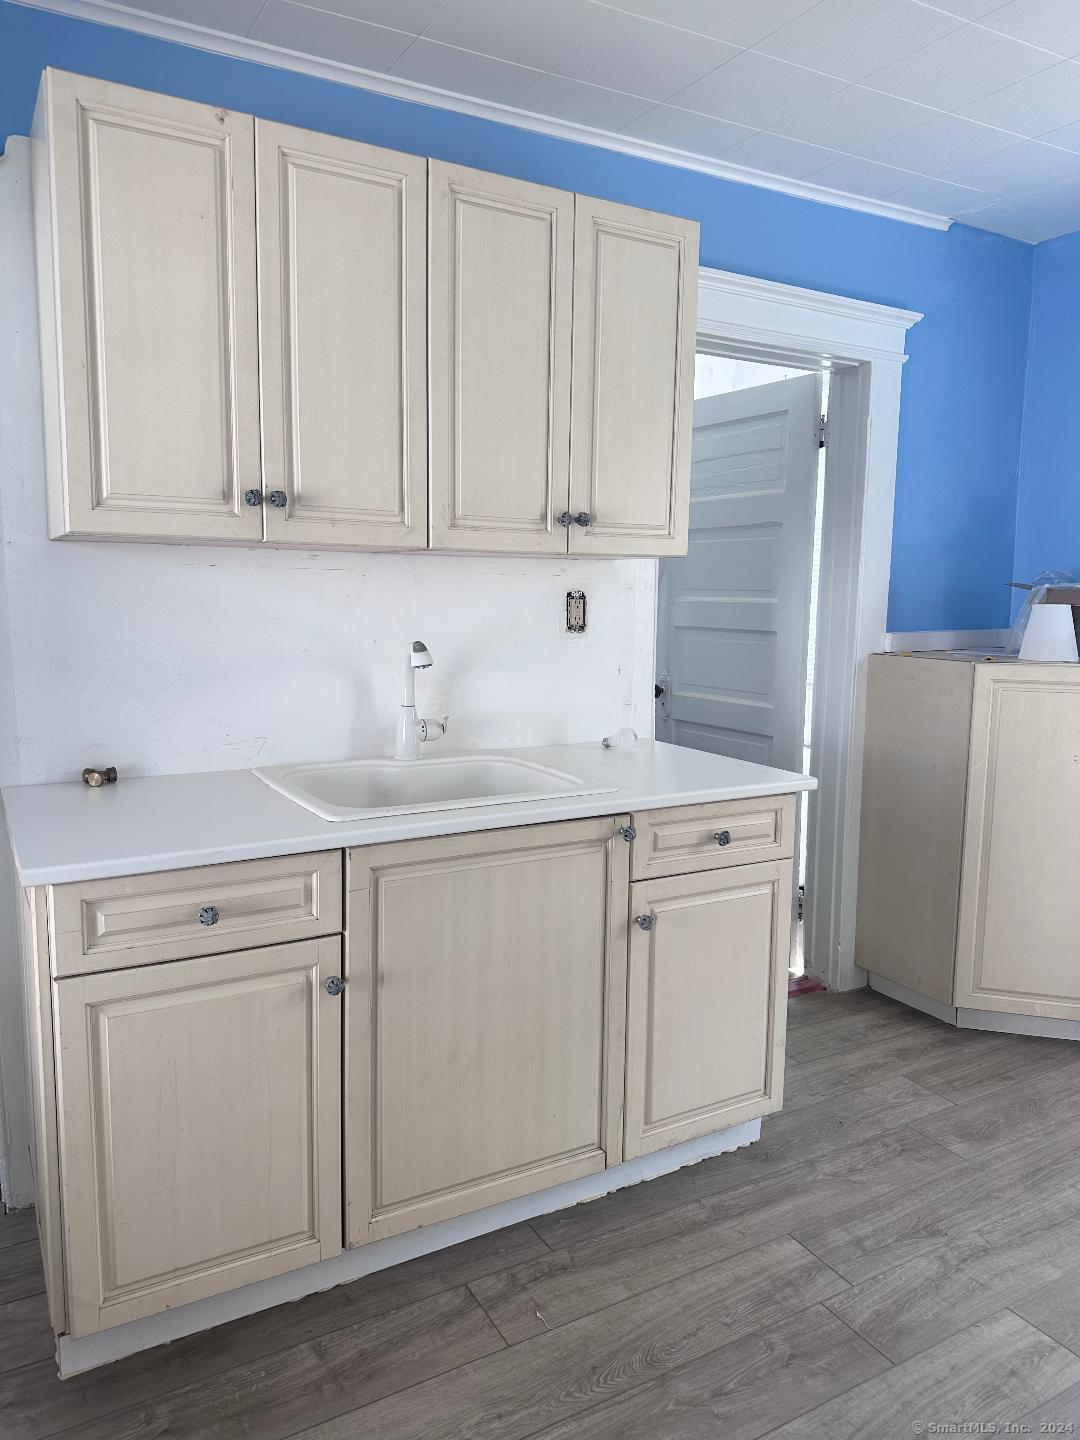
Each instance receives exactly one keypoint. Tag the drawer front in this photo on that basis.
(710, 837)
(182, 914)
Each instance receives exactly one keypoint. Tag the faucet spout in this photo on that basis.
(407, 746)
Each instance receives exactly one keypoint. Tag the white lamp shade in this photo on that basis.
(1050, 634)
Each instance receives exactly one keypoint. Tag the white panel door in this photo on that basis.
(146, 228)
(501, 274)
(734, 613)
(342, 297)
(200, 1127)
(635, 321)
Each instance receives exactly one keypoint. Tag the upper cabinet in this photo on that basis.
(635, 323)
(146, 279)
(502, 276)
(342, 294)
(249, 332)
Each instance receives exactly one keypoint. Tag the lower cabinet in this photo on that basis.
(707, 1002)
(505, 1012)
(485, 1013)
(200, 1127)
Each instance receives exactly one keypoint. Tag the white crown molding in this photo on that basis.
(102, 13)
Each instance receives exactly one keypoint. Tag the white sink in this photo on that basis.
(371, 789)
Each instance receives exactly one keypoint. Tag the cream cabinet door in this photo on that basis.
(707, 1002)
(200, 1140)
(342, 297)
(145, 208)
(485, 1008)
(1018, 947)
(635, 322)
(501, 272)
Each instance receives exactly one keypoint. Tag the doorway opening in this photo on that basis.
(737, 615)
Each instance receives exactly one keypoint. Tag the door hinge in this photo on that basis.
(822, 432)
(800, 904)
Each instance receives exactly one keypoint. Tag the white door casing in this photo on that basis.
(734, 612)
(863, 345)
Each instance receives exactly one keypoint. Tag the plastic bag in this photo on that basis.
(1047, 580)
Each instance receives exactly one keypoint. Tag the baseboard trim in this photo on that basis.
(1050, 1027)
(912, 998)
(990, 640)
(76, 1356)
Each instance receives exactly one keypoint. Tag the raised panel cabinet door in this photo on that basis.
(342, 309)
(145, 212)
(500, 271)
(1018, 947)
(200, 1144)
(706, 1002)
(484, 1021)
(635, 323)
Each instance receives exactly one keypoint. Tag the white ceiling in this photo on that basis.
(965, 109)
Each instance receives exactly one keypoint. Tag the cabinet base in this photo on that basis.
(1049, 1027)
(76, 1356)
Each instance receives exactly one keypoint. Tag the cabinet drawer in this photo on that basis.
(180, 914)
(685, 840)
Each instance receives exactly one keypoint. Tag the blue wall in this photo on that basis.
(1048, 508)
(963, 386)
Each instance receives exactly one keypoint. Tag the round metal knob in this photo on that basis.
(628, 833)
(253, 497)
(583, 518)
(644, 921)
(208, 915)
(96, 777)
(278, 499)
(335, 985)
(566, 519)
(722, 837)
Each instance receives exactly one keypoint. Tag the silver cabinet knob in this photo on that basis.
(335, 985)
(645, 922)
(278, 499)
(583, 518)
(209, 915)
(722, 837)
(566, 519)
(628, 833)
(253, 497)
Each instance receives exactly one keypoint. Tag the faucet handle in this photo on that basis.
(432, 729)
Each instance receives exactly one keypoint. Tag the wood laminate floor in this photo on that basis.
(901, 1250)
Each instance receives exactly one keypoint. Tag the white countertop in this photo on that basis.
(66, 832)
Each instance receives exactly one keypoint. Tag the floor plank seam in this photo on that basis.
(856, 1331)
(543, 1241)
(1072, 1349)
(507, 1342)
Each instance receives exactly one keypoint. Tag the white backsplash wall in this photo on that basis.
(160, 659)
(164, 658)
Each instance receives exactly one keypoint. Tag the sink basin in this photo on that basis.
(371, 789)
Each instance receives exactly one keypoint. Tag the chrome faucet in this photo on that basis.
(412, 732)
